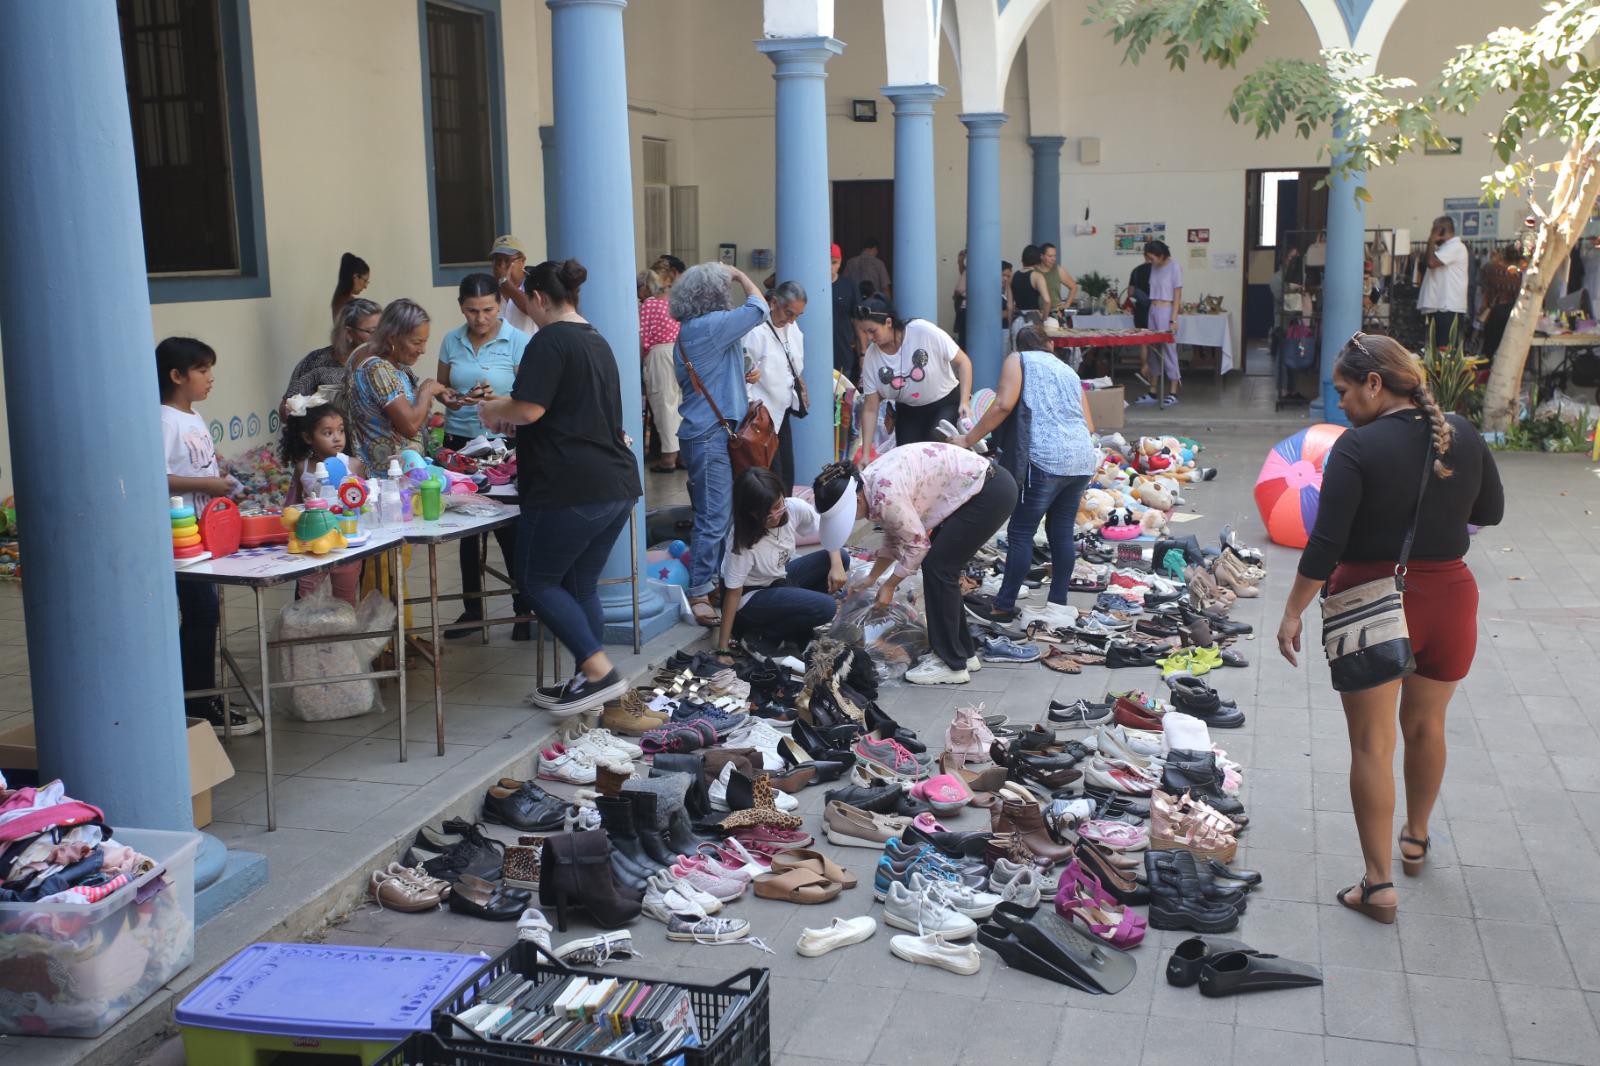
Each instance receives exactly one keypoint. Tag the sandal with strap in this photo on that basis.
(704, 614)
(1411, 866)
(1378, 912)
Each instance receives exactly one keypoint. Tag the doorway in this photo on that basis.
(863, 211)
(1282, 208)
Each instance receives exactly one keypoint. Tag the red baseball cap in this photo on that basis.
(835, 252)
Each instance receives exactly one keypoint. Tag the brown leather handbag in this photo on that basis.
(755, 441)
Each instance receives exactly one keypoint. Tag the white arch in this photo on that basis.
(911, 41)
(1376, 26)
(1370, 35)
(989, 41)
(1044, 77)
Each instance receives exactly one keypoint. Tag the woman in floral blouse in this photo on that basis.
(910, 492)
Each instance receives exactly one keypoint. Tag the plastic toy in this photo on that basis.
(660, 566)
(312, 529)
(187, 546)
(1289, 486)
(260, 528)
(220, 527)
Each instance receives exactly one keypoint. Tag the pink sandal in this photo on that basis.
(1081, 899)
(928, 823)
(944, 793)
(1118, 836)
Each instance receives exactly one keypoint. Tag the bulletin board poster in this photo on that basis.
(1199, 236)
(1473, 217)
(1130, 237)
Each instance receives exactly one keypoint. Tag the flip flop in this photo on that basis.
(812, 862)
(796, 886)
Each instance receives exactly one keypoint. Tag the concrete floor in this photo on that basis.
(1495, 958)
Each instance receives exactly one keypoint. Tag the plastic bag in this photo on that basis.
(321, 614)
(895, 636)
(1568, 409)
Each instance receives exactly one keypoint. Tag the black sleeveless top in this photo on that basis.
(1024, 297)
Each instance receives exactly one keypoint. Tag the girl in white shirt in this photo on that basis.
(766, 590)
(915, 365)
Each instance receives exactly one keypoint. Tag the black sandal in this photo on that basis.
(1378, 912)
(1411, 866)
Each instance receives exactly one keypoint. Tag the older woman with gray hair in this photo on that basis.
(352, 327)
(387, 406)
(711, 331)
(775, 351)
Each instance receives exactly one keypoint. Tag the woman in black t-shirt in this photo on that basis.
(1404, 462)
(577, 478)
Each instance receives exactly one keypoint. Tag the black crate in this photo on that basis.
(739, 1038)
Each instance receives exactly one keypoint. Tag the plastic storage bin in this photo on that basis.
(325, 999)
(740, 1037)
(75, 969)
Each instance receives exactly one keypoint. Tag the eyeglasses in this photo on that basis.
(363, 332)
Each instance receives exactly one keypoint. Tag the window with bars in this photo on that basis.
(465, 119)
(177, 101)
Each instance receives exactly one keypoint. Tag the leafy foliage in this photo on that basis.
(1220, 30)
(1452, 374)
(1094, 285)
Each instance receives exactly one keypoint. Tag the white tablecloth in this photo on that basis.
(1202, 331)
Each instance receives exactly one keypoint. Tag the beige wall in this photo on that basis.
(338, 90)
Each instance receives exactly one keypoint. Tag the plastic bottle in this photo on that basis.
(389, 499)
(431, 504)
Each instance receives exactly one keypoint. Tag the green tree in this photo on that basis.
(1547, 144)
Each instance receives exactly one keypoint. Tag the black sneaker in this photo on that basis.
(244, 725)
(980, 607)
(1079, 712)
(580, 695)
(522, 631)
(466, 620)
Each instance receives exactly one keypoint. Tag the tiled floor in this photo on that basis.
(1495, 958)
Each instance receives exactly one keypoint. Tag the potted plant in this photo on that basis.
(1094, 286)
(1452, 374)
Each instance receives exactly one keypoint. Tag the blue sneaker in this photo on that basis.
(925, 861)
(1001, 650)
(718, 719)
(1145, 400)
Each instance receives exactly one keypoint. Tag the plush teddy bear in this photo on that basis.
(1094, 507)
(1151, 493)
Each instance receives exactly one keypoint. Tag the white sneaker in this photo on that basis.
(534, 926)
(597, 950)
(572, 767)
(1052, 615)
(969, 901)
(974, 664)
(934, 950)
(666, 882)
(922, 911)
(839, 933)
(604, 742)
(759, 734)
(663, 905)
(991, 587)
(933, 671)
(1016, 883)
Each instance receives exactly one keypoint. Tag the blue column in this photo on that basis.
(1047, 189)
(1342, 281)
(547, 159)
(916, 252)
(107, 695)
(804, 210)
(984, 341)
(594, 202)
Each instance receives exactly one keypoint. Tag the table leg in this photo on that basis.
(222, 662)
(483, 601)
(396, 562)
(438, 646)
(266, 708)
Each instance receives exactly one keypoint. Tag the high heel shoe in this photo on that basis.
(1378, 912)
(795, 756)
(575, 875)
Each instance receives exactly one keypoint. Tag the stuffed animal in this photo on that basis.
(1094, 507)
(1151, 493)
(1153, 523)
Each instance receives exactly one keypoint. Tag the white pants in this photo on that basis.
(664, 396)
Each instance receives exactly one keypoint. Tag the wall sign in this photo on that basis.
(1131, 237)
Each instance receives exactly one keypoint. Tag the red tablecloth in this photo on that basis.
(1108, 338)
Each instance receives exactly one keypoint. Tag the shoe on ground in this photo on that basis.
(244, 724)
(972, 902)
(1052, 615)
(935, 950)
(580, 695)
(569, 767)
(933, 671)
(1169, 400)
(597, 950)
(466, 619)
(695, 929)
(1079, 713)
(1144, 401)
(521, 631)
(534, 926)
(839, 933)
(1001, 650)
(924, 910)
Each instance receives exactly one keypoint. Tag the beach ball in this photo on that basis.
(659, 566)
(1289, 486)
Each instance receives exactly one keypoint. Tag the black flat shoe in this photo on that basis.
(1219, 869)
(1248, 971)
(468, 622)
(1066, 947)
(1187, 959)
(521, 631)
(876, 799)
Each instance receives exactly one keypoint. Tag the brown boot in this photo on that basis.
(631, 716)
(1026, 822)
(608, 782)
(746, 760)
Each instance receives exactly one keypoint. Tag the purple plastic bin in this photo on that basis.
(326, 991)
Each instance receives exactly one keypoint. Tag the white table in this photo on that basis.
(1199, 331)
(261, 568)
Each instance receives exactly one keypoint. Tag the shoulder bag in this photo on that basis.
(755, 441)
(1364, 628)
(799, 398)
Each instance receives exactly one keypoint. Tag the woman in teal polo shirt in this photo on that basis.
(479, 360)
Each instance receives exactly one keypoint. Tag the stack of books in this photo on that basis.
(616, 1017)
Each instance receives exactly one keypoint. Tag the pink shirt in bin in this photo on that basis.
(915, 487)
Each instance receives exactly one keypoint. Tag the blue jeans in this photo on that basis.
(1054, 499)
(561, 551)
(711, 493)
(796, 607)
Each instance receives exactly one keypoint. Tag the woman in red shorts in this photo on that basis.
(1370, 482)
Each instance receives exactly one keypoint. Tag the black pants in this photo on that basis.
(954, 543)
(1494, 327)
(1442, 321)
(915, 425)
(783, 463)
(198, 619)
(506, 537)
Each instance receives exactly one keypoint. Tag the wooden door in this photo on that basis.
(862, 211)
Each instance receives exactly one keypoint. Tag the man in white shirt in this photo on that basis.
(1443, 299)
(509, 260)
(774, 362)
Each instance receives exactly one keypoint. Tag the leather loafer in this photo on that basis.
(526, 807)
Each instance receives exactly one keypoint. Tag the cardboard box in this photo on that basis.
(1106, 408)
(209, 765)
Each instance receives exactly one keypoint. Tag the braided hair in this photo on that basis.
(832, 483)
(1402, 374)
